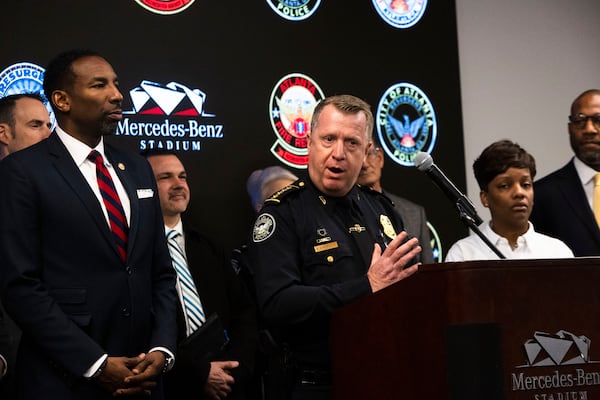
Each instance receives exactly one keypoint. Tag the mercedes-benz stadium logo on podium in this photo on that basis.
(558, 368)
(562, 348)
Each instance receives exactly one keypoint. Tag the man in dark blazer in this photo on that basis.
(24, 120)
(225, 373)
(413, 216)
(564, 199)
(95, 322)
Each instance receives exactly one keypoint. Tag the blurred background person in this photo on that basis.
(226, 372)
(264, 182)
(505, 172)
(413, 216)
(261, 184)
(24, 120)
(564, 200)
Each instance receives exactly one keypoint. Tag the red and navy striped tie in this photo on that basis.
(116, 215)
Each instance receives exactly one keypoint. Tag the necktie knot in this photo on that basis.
(95, 157)
(173, 234)
(597, 179)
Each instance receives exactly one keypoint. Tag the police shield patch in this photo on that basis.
(263, 228)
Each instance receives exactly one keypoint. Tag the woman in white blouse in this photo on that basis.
(505, 172)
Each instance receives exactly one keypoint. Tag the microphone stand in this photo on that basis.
(470, 218)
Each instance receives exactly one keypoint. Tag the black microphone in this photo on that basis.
(424, 163)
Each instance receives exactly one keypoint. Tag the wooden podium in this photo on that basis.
(506, 329)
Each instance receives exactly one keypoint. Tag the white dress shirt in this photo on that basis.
(79, 151)
(586, 176)
(530, 245)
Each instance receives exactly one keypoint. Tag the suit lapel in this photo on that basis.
(574, 195)
(72, 175)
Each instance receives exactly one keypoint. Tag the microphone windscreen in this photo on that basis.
(423, 161)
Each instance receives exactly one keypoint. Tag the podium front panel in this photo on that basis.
(506, 329)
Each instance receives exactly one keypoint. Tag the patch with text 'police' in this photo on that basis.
(294, 10)
(263, 227)
(406, 123)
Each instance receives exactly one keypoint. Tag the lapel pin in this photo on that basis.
(121, 166)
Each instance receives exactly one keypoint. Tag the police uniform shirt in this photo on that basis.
(310, 254)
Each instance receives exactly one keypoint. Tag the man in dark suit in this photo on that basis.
(96, 322)
(564, 199)
(225, 372)
(24, 120)
(413, 215)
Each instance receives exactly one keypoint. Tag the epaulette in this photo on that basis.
(279, 195)
(374, 192)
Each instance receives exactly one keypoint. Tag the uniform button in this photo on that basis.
(125, 312)
(330, 259)
(128, 270)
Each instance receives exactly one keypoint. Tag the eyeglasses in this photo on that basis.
(374, 152)
(579, 121)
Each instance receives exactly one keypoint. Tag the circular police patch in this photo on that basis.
(406, 123)
(165, 7)
(400, 13)
(25, 77)
(291, 106)
(294, 10)
(263, 227)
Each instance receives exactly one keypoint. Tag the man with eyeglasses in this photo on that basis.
(413, 215)
(564, 200)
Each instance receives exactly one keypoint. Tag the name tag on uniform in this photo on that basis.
(326, 246)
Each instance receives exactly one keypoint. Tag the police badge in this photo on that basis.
(387, 226)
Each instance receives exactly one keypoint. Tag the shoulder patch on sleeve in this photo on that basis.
(264, 226)
(279, 195)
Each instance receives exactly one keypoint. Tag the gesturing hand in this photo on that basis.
(391, 266)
